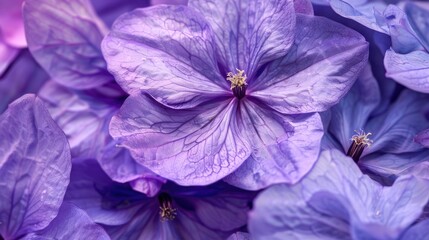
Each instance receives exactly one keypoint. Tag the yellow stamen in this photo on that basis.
(238, 79)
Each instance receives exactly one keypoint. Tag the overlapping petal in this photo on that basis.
(248, 34)
(65, 37)
(34, 168)
(189, 146)
(284, 147)
(11, 24)
(337, 201)
(319, 69)
(167, 51)
(71, 223)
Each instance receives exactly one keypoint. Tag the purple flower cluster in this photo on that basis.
(214, 119)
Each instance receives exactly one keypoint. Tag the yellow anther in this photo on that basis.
(238, 79)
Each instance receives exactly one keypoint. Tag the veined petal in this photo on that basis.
(189, 146)
(248, 34)
(71, 223)
(284, 148)
(65, 37)
(319, 69)
(34, 167)
(353, 111)
(410, 70)
(168, 52)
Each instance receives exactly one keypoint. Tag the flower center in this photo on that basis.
(360, 141)
(166, 210)
(238, 83)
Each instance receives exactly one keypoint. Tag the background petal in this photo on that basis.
(150, 47)
(34, 167)
(71, 223)
(65, 37)
(189, 146)
(322, 65)
(410, 70)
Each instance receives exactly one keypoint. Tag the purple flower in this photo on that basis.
(34, 173)
(381, 143)
(407, 25)
(211, 212)
(222, 88)
(336, 201)
(12, 36)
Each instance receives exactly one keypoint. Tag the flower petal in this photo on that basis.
(65, 38)
(189, 146)
(320, 68)
(392, 132)
(420, 231)
(353, 111)
(418, 18)
(34, 167)
(7, 55)
(11, 24)
(285, 148)
(336, 201)
(303, 7)
(71, 223)
(249, 34)
(16, 82)
(364, 12)
(410, 70)
(83, 116)
(166, 51)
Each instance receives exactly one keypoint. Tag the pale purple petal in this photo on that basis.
(410, 70)
(11, 23)
(7, 54)
(418, 17)
(284, 147)
(423, 138)
(191, 147)
(319, 69)
(71, 223)
(239, 236)
(65, 38)
(34, 167)
(84, 117)
(168, 52)
(249, 34)
(336, 201)
(365, 12)
(172, 2)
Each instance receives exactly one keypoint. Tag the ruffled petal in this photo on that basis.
(65, 38)
(320, 68)
(189, 146)
(34, 167)
(71, 223)
(248, 34)
(410, 70)
(284, 147)
(168, 52)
